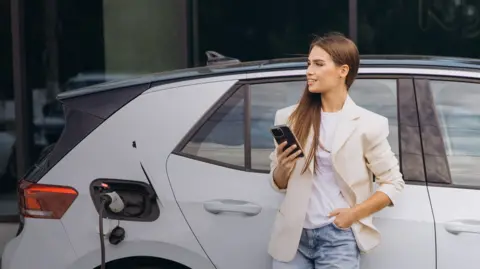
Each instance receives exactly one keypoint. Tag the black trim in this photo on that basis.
(435, 155)
(399, 128)
(246, 127)
(411, 160)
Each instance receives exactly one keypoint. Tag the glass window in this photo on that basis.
(377, 95)
(222, 136)
(456, 104)
(274, 29)
(435, 27)
(266, 99)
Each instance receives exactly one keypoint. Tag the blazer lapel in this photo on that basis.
(306, 149)
(346, 125)
(344, 129)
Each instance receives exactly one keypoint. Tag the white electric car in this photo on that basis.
(187, 153)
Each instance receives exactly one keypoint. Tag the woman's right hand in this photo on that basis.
(285, 163)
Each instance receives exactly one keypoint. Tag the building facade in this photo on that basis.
(52, 46)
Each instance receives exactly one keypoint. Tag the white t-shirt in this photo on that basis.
(326, 195)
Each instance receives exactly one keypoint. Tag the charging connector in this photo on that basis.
(115, 204)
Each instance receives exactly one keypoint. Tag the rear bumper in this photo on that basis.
(43, 244)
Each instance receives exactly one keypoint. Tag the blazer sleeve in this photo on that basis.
(273, 158)
(382, 161)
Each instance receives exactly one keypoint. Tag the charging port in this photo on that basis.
(140, 203)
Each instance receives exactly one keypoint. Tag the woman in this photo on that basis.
(325, 220)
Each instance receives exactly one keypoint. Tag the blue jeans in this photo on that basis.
(327, 247)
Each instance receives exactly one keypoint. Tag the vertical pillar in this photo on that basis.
(352, 20)
(52, 67)
(195, 41)
(23, 98)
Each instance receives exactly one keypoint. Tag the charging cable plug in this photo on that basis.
(114, 201)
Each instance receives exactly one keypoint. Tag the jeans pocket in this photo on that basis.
(339, 228)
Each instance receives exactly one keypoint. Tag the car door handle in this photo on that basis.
(463, 226)
(232, 206)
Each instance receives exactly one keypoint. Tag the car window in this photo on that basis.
(222, 137)
(456, 105)
(266, 99)
(377, 95)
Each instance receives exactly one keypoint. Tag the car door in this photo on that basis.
(219, 175)
(450, 124)
(411, 219)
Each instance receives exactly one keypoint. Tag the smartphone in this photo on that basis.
(283, 133)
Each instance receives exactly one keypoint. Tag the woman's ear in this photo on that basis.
(344, 69)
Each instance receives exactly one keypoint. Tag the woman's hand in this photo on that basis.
(344, 217)
(286, 163)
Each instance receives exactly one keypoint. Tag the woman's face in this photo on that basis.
(323, 74)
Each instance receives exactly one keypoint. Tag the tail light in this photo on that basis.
(44, 201)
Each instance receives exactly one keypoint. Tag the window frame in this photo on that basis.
(404, 84)
(178, 150)
(437, 176)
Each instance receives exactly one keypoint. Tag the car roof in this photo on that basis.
(235, 67)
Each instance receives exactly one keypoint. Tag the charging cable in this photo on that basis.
(115, 204)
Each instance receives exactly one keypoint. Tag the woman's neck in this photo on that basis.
(333, 101)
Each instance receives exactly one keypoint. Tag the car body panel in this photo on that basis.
(107, 152)
(456, 209)
(31, 250)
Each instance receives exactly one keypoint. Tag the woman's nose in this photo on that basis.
(309, 71)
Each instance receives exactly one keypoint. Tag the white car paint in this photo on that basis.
(169, 233)
(457, 216)
(157, 120)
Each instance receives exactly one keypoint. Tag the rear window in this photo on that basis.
(82, 118)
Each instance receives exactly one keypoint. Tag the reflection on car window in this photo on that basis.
(266, 99)
(456, 104)
(377, 95)
(221, 138)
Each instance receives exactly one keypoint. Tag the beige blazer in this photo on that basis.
(360, 150)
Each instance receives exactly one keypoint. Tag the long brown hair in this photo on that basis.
(307, 114)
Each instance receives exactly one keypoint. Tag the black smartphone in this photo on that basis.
(283, 133)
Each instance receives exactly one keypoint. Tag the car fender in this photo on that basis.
(145, 249)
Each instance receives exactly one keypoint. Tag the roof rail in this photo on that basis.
(215, 58)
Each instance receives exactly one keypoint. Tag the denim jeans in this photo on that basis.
(325, 247)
